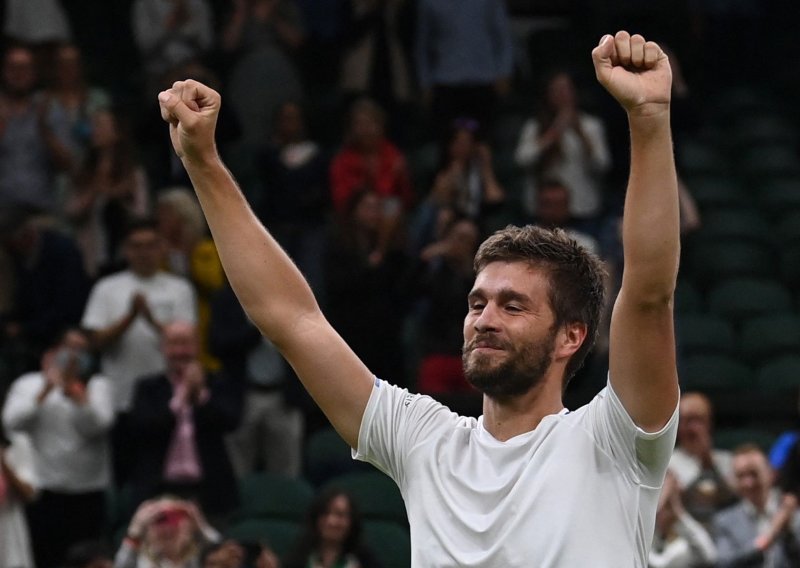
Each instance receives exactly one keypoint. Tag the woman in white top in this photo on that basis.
(566, 144)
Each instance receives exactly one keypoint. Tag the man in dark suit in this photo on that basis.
(763, 529)
(179, 420)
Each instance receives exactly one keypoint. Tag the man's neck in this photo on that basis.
(510, 417)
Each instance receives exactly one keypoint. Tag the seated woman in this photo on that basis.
(332, 535)
(165, 532)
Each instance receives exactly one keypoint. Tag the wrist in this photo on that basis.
(649, 111)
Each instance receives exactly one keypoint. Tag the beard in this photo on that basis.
(523, 368)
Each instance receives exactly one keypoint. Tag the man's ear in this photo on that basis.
(570, 338)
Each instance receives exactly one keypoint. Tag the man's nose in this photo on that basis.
(488, 319)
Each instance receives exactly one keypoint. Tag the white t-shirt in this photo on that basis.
(579, 490)
(15, 545)
(137, 353)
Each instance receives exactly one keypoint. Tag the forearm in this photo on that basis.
(651, 226)
(269, 286)
(102, 338)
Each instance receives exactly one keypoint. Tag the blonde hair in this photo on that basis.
(184, 203)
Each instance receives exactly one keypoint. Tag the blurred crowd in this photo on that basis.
(379, 141)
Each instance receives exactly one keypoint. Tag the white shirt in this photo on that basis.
(687, 468)
(579, 490)
(691, 546)
(15, 545)
(70, 441)
(137, 353)
(579, 171)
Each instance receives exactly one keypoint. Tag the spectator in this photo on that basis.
(89, 554)
(181, 417)
(273, 25)
(50, 284)
(191, 254)
(763, 528)
(71, 101)
(67, 411)
(447, 278)
(17, 487)
(704, 474)
(270, 435)
(553, 211)
(370, 162)
(36, 21)
(375, 62)
(365, 292)
(464, 58)
(233, 554)
(679, 541)
(296, 198)
(125, 316)
(566, 144)
(107, 192)
(169, 34)
(332, 535)
(32, 149)
(165, 532)
(466, 176)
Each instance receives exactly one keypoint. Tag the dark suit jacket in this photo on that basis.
(152, 424)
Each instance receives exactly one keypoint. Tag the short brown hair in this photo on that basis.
(576, 277)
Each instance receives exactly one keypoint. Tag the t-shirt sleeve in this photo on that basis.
(95, 315)
(643, 455)
(394, 421)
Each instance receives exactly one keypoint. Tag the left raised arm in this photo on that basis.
(642, 341)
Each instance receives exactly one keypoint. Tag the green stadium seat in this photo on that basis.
(739, 299)
(776, 197)
(280, 535)
(327, 456)
(390, 542)
(713, 262)
(688, 298)
(744, 224)
(769, 336)
(762, 128)
(712, 192)
(273, 496)
(699, 158)
(790, 265)
(707, 373)
(375, 494)
(779, 374)
(700, 334)
(731, 438)
(777, 160)
(788, 231)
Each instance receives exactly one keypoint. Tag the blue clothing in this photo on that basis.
(463, 42)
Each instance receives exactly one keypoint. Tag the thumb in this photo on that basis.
(603, 54)
(173, 109)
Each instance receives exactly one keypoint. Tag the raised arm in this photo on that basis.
(642, 340)
(269, 286)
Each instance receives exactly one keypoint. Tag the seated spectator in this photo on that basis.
(466, 177)
(67, 411)
(266, 25)
(704, 474)
(446, 279)
(552, 211)
(295, 202)
(49, 282)
(369, 160)
(180, 419)
(17, 487)
(365, 289)
(106, 193)
(233, 554)
(332, 535)
(270, 434)
(71, 101)
(191, 253)
(567, 144)
(89, 554)
(679, 541)
(33, 149)
(165, 531)
(170, 33)
(763, 528)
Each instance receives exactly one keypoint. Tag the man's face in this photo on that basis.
(180, 345)
(753, 477)
(19, 72)
(552, 205)
(509, 332)
(694, 425)
(143, 251)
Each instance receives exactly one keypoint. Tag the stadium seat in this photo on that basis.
(788, 231)
(327, 456)
(790, 265)
(375, 494)
(708, 373)
(779, 374)
(717, 261)
(712, 192)
(741, 223)
(744, 298)
(769, 336)
(762, 128)
(279, 535)
(777, 197)
(423, 162)
(731, 438)
(699, 158)
(687, 297)
(760, 162)
(390, 542)
(273, 496)
(700, 334)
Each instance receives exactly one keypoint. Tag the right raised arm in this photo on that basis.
(269, 286)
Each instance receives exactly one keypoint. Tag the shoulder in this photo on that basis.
(733, 515)
(112, 282)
